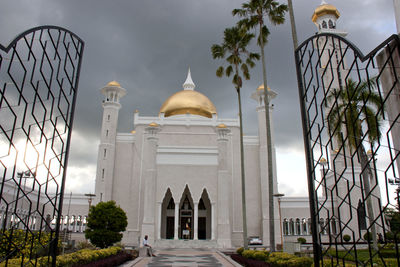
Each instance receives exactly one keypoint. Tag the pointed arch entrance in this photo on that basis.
(167, 216)
(204, 216)
(186, 215)
(193, 216)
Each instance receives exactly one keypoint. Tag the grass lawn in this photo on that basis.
(363, 256)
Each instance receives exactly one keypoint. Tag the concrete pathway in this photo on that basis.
(184, 257)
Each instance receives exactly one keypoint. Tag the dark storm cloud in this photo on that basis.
(148, 46)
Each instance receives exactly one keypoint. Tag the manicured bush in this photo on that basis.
(20, 242)
(300, 261)
(301, 240)
(78, 258)
(240, 251)
(105, 224)
(248, 254)
(279, 258)
(260, 255)
(346, 238)
(367, 236)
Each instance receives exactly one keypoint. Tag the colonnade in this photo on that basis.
(22, 219)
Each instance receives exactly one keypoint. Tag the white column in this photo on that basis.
(196, 220)
(176, 220)
(75, 222)
(223, 200)
(159, 220)
(150, 175)
(213, 221)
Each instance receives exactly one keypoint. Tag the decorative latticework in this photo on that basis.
(39, 73)
(350, 114)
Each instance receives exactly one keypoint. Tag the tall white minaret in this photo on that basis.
(113, 92)
(332, 65)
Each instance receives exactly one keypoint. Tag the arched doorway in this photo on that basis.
(204, 217)
(186, 215)
(167, 216)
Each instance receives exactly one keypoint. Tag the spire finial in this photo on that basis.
(323, 2)
(188, 84)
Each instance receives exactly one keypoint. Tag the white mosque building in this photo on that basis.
(177, 175)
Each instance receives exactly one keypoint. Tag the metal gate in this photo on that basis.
(39, 74)
(350, 114)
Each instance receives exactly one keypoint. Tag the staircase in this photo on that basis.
(184, 243)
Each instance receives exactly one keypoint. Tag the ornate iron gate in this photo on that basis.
(39, 74)
(351, 124)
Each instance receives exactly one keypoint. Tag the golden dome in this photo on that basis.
(325, 9)
(221, 126)
(261, 87)
(153, 124)
(188, 101)
(113, 83)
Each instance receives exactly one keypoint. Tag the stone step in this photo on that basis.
(168, 243)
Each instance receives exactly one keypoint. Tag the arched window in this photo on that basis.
(330, 23)
(171, 204)
(304, 226)
(291, 227)
(285, 227)
(324, 24)
(298, 227)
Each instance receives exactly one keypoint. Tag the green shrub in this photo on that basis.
(240, 251)
(367, 236)
(83, 256)
(346, 238)
(279, 258)
(283, 259)
(24, 243)
(301, 240)
(260, 255)
(248, 254)
(300, 261)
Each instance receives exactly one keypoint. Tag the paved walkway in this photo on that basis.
(184, 257)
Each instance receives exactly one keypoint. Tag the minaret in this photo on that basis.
(113, 92)
(332, 67)
(258, 96)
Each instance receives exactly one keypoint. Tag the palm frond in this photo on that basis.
(228, 70)
(220, 71)
(264, 35)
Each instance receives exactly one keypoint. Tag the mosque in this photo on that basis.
(178, 176)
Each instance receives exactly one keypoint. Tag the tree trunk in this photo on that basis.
(293, 24)
(269, 150)
(242, 172)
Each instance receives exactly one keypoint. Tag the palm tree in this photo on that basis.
(239, 59)
(254, 12)
(352, 110)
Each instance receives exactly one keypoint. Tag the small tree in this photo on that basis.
(105, 223)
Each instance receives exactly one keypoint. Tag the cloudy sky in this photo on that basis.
(148, 45)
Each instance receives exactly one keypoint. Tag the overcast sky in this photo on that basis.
(148, 45)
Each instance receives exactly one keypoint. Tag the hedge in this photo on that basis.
(80, 257)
